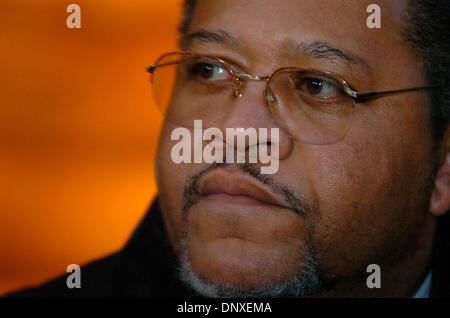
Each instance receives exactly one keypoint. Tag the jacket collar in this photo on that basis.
(147, 265)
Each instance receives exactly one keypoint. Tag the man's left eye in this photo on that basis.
(318, 88)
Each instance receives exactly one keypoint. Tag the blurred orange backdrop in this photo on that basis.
(78, 130)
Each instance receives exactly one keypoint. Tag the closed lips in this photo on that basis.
(238, 184)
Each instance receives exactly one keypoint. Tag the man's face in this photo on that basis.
(335, 208)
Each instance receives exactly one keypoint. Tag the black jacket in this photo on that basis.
(147, 267)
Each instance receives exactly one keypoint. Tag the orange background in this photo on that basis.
(78, 130)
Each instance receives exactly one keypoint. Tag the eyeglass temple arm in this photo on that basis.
(364, 96)
(152, 68)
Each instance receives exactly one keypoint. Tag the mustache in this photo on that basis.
(296, 202)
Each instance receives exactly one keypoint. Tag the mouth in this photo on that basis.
(237, 188)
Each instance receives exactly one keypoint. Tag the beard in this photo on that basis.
(305, 282)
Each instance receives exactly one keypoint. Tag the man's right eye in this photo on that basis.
(208, 72)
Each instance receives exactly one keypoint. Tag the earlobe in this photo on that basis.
(440, 199)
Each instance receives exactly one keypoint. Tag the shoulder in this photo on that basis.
(96, 281)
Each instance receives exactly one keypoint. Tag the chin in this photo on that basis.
(232, 267)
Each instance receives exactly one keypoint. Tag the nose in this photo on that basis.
(250, 110)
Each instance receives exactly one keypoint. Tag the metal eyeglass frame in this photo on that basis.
(360, 96)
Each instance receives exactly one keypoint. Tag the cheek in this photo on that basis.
(171, 179)
(370, 197)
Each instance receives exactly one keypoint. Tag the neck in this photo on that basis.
(399, 278)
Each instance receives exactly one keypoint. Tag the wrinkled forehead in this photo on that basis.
(271, 28)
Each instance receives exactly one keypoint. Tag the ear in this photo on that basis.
(440, 198)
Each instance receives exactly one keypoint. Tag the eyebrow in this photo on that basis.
(314, 49)
(323, 50)
(219, 37)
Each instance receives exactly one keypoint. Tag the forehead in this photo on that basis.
(266, 28)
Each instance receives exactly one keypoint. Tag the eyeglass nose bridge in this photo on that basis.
(238, 77)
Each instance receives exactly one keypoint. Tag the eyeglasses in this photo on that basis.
(312, 106)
